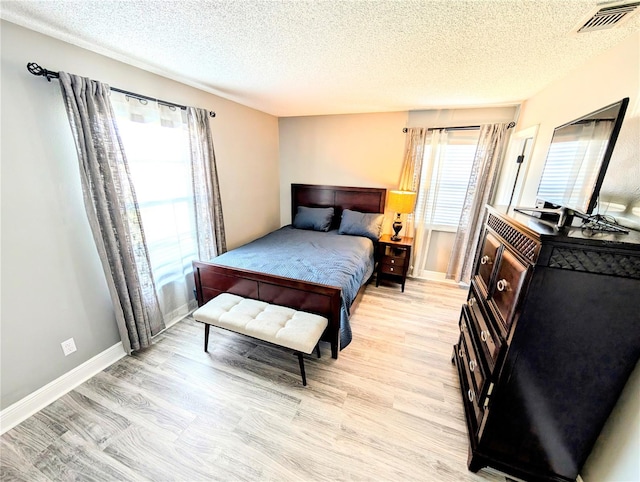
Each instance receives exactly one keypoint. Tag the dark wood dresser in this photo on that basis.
(548, 338)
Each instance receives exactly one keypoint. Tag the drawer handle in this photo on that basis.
(484, 335)
(390, 269)
(471, 301)
(502, 285)
(462, 328)
(472, 365)
(471, 395)
(393, 261)
(485, 259)
(460, 353)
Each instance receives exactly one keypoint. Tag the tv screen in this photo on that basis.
(578, 157)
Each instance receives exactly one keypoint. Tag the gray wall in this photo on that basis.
(53, 286)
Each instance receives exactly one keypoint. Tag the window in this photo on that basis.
(447, 164)
(156, 144)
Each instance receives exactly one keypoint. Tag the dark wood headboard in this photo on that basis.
(363, 199)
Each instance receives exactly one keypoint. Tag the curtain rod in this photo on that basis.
(461, 128)
(35, 69)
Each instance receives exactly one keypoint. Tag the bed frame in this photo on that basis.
(211, 279)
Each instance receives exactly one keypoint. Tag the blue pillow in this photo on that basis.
(356, 223)
(318, 219)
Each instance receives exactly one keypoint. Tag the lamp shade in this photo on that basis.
(402, 202)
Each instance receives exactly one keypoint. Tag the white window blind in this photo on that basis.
(445, 178)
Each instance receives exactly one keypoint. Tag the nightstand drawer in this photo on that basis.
(391, 269)
(394, 261)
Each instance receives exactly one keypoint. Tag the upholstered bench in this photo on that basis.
(278, 325)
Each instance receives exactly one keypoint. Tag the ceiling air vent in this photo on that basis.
(609, 17)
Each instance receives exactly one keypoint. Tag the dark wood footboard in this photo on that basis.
(324, 300)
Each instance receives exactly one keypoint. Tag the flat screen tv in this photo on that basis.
(577, 162)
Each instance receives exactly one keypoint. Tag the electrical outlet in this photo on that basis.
(68, 346)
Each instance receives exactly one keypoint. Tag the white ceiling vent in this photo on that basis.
(608, 16)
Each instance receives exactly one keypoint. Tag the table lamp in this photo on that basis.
(400, 202)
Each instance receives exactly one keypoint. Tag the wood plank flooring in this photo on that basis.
(388, 409)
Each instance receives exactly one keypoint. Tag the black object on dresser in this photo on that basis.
(393, 259)
(549, 336)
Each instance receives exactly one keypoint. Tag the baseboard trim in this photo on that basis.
(439, 278)
(32, 403)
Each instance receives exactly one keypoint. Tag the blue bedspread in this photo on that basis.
(326, 258)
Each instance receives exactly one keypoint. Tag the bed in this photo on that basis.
(288, 280)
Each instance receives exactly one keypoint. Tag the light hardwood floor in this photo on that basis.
(388, 409)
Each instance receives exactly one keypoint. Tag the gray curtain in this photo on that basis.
(412, 169)
(206, 189)
(112, 210)
(413, 156)
(482, 183)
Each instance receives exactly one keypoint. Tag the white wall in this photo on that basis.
(603, 80)
(53, 286)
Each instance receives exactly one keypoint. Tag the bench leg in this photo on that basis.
(318, 349)
(206, 337)
(304, 375)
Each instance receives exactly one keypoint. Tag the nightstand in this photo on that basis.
(393, 259)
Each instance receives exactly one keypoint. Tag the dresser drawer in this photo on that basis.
(487, 260)
(475, 363)
(510, 278)
(473, 409)
(487, 336)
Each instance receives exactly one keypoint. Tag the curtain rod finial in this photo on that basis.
(212, 113)
(35, 69)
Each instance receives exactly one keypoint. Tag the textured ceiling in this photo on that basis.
(327, 57)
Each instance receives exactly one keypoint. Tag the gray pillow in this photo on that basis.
(318, 219)
(356, 223)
